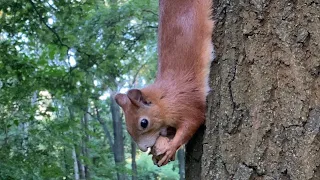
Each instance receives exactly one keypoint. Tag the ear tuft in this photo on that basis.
(121, 99)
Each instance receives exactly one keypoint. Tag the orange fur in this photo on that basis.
(178, 95)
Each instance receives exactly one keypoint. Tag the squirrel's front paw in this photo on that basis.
(168, 155)
(162, 151)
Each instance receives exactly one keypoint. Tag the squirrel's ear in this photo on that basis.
(136, 97)
(121, 99)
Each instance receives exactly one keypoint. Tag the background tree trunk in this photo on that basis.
(85, 141)
(75, 165)
(118, 136)
(181, 159)
(263, 115)
(80, 164)
(106, 131)
(134, 163)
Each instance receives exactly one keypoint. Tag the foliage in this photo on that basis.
(148, 171)
(59, 62)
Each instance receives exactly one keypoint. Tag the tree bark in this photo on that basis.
(181, 159)
(75, 164)
(85, 141)
(79, 164)
(24, 126)
(65, 162)
(78, 170)
(118, 136)
(194, 153)
(133, 157)
(263, 115)
(105, 128)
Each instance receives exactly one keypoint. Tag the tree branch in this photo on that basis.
(61, 43)
(149, 11)
(44, 22)
(136, 75)
(105, 128)
(131, 45)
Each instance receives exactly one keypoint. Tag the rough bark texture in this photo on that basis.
(263, 115)
(193, 155)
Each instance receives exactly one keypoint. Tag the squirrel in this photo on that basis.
(176, 101)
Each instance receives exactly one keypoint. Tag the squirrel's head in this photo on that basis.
(143, 117)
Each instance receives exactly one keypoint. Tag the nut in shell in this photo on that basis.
(159, 148)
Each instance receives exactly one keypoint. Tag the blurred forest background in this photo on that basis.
(61, 61)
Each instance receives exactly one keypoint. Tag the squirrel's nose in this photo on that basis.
(143, 147)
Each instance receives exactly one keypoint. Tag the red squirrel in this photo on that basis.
(177, 98)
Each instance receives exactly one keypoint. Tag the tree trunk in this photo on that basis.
(181, 159)
(133, 157)
(85, 141)
(86, 152)
(82, 170)
(79, 172)
(263, 115)
(79, 164)
(118, 136)
(65, 162)
(105, 128)
(24, 126)
(75, 164)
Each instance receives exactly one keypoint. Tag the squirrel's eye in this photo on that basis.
(144, 123)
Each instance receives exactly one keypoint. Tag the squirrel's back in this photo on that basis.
(176, 100)
(184, 43)
(185, 53)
